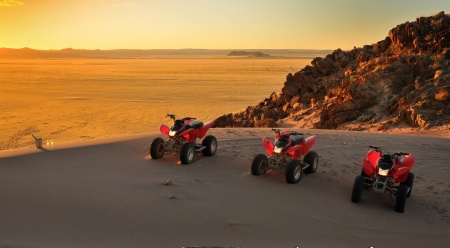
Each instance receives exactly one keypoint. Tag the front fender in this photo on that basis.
(164, 130)
(189, 135)
(401, 174)
(369, 169)
(268, 145)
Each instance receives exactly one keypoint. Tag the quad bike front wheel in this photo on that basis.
(400, 199)
(259, 165)
(187, 153)
(409, 182)
(358, 189)
(210, 142)
(311, 158)
(157, 148)
(293, 172)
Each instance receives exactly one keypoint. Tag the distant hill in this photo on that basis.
(248, 54)
(136, 53)
(401, 80)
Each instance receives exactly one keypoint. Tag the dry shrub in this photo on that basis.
(442, 95)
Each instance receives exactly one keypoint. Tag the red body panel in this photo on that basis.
(401, 168)
(309, 142)
(369, 168)
(164, 130)
(268, 145)
(404, 165)
(294, 151)
(204, 129)
(373, 156)
(191, 134)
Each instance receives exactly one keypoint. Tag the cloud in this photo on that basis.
(8, 3)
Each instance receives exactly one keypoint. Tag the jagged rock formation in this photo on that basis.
(404, 78)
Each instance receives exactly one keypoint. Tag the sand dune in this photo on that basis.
(109, 193)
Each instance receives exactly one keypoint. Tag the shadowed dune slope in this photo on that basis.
(109, 193)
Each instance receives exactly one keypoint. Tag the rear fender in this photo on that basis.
(268, 145)
(406, 161)
(369, 168)
(164, 130)
(203, 130)
(309, 142)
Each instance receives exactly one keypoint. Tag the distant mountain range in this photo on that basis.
(248, 54)
(135, 53)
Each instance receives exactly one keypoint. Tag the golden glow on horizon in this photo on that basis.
(8, 3)
(231, 24)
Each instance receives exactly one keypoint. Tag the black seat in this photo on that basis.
(297, 139)
(196, 124)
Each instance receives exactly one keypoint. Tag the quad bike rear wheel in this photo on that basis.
(187, 153)
(293, 172)
(259, 165)
(400, 199)
(210, 142)
(312, 158)
(358, 189)
(157, 148)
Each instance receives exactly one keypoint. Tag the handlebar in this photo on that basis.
(172, 116)
(378, 149)
(401, 153)
(278, 131)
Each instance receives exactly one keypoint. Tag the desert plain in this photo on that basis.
(78, 99)
(96, 185)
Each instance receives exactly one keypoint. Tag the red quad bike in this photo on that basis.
(385, 173)
(286, 155)
(182, 137)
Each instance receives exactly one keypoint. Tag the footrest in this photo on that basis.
(198, 148)
(304, 165)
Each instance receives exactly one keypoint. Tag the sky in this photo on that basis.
(205, 24)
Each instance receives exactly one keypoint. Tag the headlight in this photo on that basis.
(277, 149)
(172, 133)
(382, 172)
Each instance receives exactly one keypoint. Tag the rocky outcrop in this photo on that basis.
(404, 78)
